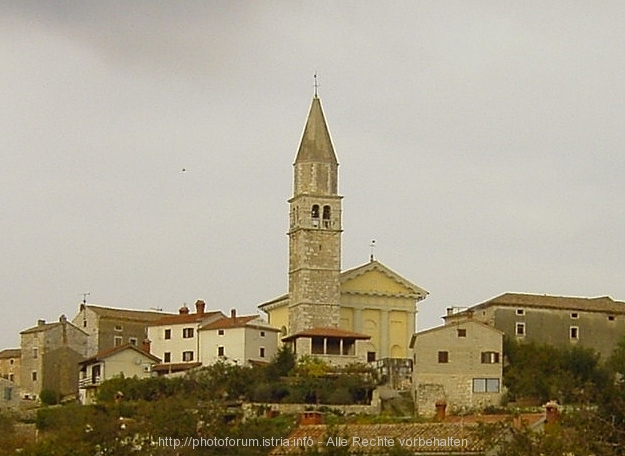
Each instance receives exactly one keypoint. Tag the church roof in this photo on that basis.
(316, 145)
(374, 265)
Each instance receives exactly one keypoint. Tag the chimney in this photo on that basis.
(41, 322)
(233, 314)
(200, 307)
(63, 319)
(184, 310)
(450, 311)
(146, 345)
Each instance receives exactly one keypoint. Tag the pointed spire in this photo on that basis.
(316, 145)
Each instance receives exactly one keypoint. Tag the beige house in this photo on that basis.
(370, 304)
(459, 365)
(237, 339)
(175, 339)
(127, 361)
(10, 362)
(50, 353)
(597, 323)
(109, 327)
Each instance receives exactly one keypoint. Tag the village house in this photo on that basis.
(457, 366)
(10, 362)
(175, 339)
(126, 360)
(9, 395)
(238, 339)
(596, 323)
(109, 327)
(50, 353)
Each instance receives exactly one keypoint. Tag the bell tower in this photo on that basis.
(314, 229)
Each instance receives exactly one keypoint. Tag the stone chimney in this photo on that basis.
(41, 322)
(200, 307)
(146, 345)
(233, 314)
(63, 319)
(184, 310)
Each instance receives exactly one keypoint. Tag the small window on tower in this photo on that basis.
(326, 216)
(314, 215)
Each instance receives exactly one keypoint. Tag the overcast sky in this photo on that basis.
(480, 143)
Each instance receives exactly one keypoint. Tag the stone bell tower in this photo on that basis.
(314, 230)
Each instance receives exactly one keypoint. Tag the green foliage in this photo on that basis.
(49, 397)
(545, 372)
(281, 365)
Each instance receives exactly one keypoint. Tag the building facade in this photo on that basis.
(596, 323)
(127, 360)
(459, 365)
(9, 395)
(371, 304)
(50, 353)
(10, 362)
(109, 327)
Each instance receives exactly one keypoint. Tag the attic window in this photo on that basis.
(220, 332)
(610, 317)
(462, 332)
(574, 315)
(520, 311)
(119, 328)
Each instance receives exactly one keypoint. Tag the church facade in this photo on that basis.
(362, 314)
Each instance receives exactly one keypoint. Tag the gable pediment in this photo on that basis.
(376, 279)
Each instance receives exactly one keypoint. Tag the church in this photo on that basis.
(363, 314)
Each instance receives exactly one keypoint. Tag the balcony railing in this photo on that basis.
(88, 382)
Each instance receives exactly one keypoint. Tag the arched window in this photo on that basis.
(314, 215)
(326, 216)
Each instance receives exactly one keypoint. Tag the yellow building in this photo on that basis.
(364, 313)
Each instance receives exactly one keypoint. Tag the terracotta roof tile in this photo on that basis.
(185, 318)
(111, 351)
(327, 332)
(126, 314)
(10, 353)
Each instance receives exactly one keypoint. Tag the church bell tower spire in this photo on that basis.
(314, 229)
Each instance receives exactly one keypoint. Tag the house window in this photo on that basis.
(167, 334)
(262, 334)
(221, 351)
(443, 356)
(520, 311)
(187, 333)
(574, 332)
(370, 357)
(462, 333)
(119, 328)
(133, 341)
(118, 341)
(35, 352)
(520, 329)
(220, 332)
(187, 356)
(33, 376)
(11, 377)
(485, 385)
(262, 352)
(84, 323)
(11, 361)
(574, 315)
(490, 357)
(610, 317)
(167, 357)
(8, 393)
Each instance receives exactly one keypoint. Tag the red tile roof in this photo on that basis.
(237, 322)
(175, 367)
(327, 332)
(111, 351)
(185, 318)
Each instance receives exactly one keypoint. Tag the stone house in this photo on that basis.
(50, 353)
(241, 340)
(10, 362)
(369, 303)
(109, 327)
(127, 360)
(458, 366)
(597, 323)
(9, 395)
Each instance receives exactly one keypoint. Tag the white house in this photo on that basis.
(126, 360)
(238, 339)
(175, 339)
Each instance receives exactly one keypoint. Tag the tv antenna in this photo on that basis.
(84, 297)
